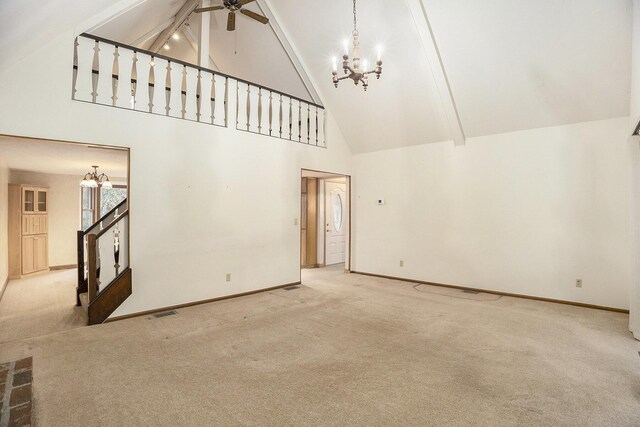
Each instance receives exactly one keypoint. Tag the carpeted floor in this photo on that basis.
(40, 305)
(343, 350)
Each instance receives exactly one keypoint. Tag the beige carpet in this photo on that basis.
(347, 350)
(40, 305)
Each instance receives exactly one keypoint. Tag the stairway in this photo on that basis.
(104, 274)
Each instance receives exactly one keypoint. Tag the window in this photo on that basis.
(88, 207)
(96, 202)
(337, 212)
(111, 197)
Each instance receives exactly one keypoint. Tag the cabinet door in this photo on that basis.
(28, 255)
(41, 259)
(42, 224)
(27, 224)
(42, 202)
(28, 200)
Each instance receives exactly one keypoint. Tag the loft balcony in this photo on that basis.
(109, 73)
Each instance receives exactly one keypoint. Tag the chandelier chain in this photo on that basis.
(354, 16)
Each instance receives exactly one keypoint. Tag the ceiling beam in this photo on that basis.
(153, 32)
(290, 50)
(421, 19)
(203, 41)
(193, 41)
(108, 15)
(181, 17)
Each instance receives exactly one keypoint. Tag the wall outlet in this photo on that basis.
(295, 221)
(401, 263)
(228, 277)
(578, 283)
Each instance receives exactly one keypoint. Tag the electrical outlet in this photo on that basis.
(228, 277)
(578, 283)
(295, 221)
(401, 263)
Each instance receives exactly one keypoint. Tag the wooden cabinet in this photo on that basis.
(34, 254)
(28, 228)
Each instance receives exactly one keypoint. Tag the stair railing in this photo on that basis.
(106, 221)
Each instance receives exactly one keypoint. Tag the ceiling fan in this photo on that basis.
(233, 6)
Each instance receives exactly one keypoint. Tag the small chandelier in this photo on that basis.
(358, 70)
(93, 180)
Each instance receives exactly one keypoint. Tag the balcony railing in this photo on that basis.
(109, 73)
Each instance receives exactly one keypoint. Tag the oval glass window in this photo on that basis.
(337, 212)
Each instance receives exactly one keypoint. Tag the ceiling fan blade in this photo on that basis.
(208, 9)
(255, 16)
(231, 21)
(246, 1)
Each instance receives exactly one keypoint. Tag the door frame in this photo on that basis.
(349, 216)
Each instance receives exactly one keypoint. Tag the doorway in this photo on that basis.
(325, 224)
(46, 207)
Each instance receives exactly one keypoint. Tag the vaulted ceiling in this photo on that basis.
(510, 65)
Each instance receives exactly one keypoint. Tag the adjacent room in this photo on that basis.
(297, 212)
(50, 200)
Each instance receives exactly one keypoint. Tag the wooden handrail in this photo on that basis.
(102, 218)
(197, 67)
(111, 224)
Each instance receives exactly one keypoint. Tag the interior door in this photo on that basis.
(336, 222)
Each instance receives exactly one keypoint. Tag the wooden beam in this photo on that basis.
(425, 31)
(181, 17)
(290, 50)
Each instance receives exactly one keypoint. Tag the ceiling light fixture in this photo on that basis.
(357, 71)
(93, 180)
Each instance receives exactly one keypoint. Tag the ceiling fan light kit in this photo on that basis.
(357, 70)
(234, 6)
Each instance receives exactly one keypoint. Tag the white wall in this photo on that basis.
(4, 222)
(634, 157)
(525, 212)
(634, 110)
(205, 200)
(63, 212)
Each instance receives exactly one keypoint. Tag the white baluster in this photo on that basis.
(191, 82)
(142, 81)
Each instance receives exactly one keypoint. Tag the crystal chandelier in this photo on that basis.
(357, 71)
(93, 180)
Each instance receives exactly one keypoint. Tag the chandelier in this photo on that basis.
(93, 180)
(357, 71)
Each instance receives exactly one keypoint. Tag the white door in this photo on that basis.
(336, 209)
